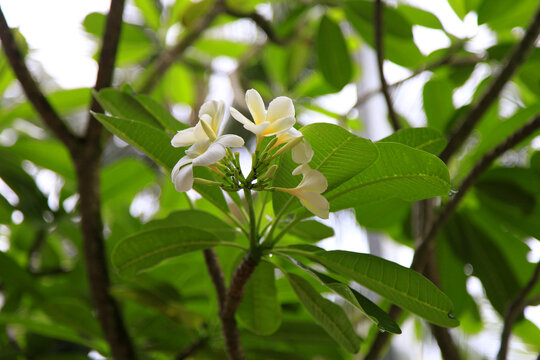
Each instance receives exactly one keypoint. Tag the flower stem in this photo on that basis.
(268, 241)
(253, 236)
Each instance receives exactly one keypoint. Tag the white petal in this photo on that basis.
(198, 148)
(313, 181)
(255, 105)
(182, 174)
(302, 153)
(230, 140)
(316, 203)
(301, 169)
(184, 138)
(257, 129)
(213, 109)
(280, 126)
(280, 107)
(211, 156)
(237, 115)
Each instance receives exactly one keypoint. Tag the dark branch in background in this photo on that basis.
(31, 89)
(232, 301)
(379, 48)
(216, 274)
(168, 57)
(423, 251)
(87, 165)
(261, 22)
(514, 309)
(107, 59)
(471, 118)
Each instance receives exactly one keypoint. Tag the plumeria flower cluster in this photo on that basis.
(273, 128)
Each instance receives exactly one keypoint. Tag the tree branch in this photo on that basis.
(261, 22)
(107, 59)
(232, 301)
(518, 55)
(31, 89)
(514, 309)
(168, 57)
(216, 274)
(192, 349)
(379, 48)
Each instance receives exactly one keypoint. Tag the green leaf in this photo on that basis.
(160, 114)
(311, 230)
(197, 219)
(147, 138)
(72, 313)
(438, 104)
(400, 285)
(420, 17)
(149, 248)
(52, 330)
(426, 139)
(327, 314)
(368, 308)
(398, 45)
(260, 310)
(333, 56)
(381, 215)
(122, 105)
(124, 179)
(399, 172)
(338, 155)
(150, 12)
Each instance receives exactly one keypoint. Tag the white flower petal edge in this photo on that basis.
(182, 174)
(214, 110)
(188, 136)
(302, 153)
(278, 119)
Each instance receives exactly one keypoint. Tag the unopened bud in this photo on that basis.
(295, 141)
(269, 173)
(206, 182)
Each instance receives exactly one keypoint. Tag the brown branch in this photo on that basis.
(261, 22)
(514, 309)
(379, 48)
(518, 55)
(31, 89)
(107, 59)
(232, 301)
(216, 273)
(425, 248)
(168, 57)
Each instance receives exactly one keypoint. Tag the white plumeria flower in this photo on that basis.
(206, 147)
(309, 191)
(302, 153)
(278, 118)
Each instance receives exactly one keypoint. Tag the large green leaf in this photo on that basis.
(426, 139)
(339, 155)
(197, 219)
(160, 114)
(420, 17)
(311, 231)
(260, 310)
(402, 286)
(148, 248)
(332, 54)
(368, 308)
(147, 138)
(400, 172)
(124, 179)
(329, 315)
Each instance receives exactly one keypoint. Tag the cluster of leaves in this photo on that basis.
(169, 306)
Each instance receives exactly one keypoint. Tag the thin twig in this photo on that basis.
(518, 55)
(192, 349)
(216, 274)
(31, 89)
(379, 48)
(261, 22)
(514, 309)
(168, 57)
